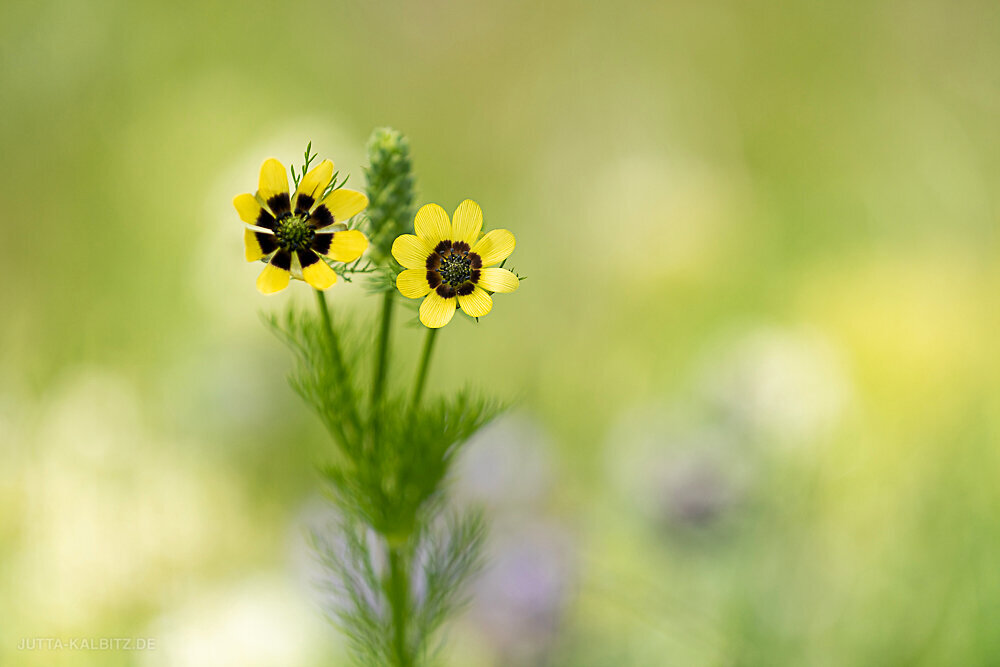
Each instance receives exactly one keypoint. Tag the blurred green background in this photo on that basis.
(755, 354)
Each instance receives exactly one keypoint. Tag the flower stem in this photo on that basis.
(335, 353)
(382, 356)
(399, 599)
(324, 312)
(425, 360)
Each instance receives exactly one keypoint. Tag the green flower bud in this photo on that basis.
(390, 189)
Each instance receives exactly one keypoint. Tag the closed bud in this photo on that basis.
(390, 189)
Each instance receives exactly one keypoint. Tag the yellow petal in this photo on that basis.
(497, 280)
(319, 275)
(436, 311)
(431, 224)
(314, 183)
(252, 249)
(412, 283)
(476, 304)
(467, 222)
(247, 207)
(345, 204)
(273, 180)
(272, 279)
(347, 246)
(411, 251)
(495, 247)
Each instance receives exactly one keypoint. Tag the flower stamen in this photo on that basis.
(293, 232)
(455, 269)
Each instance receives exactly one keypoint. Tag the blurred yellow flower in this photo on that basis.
(451, 262)
(295, 231)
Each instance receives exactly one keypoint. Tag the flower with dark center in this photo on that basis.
(295, 233)
(450, 263)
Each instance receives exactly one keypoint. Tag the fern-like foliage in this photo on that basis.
(389, 485)
(440, 559)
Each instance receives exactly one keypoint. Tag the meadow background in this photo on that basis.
(755, 355)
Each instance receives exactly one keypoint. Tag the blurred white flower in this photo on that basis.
(109, 511)
(781, 385)
(260, 622)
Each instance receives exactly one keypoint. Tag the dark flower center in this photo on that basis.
(294, 232)
(455, 269)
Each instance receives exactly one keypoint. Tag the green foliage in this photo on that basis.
(450, 554)
(403, 466)
(330, 389)
(307, 159)
(383, 280)
(439, 559)
(389, 487)
(395, 456)
(355, 600)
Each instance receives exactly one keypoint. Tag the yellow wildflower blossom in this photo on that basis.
(293, 232)
(450, 263)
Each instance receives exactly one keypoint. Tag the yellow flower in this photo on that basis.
(450, 262)
(295, 231)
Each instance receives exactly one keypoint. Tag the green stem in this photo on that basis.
(336, 355)
(399, 598)
(382, 356)
(324, 313)
(425, 360)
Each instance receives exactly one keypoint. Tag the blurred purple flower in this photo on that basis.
(672, 473)
(520, 599)
(505, 466)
